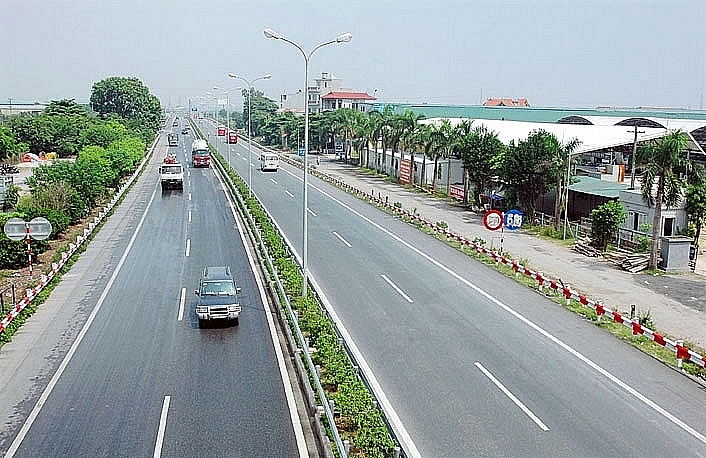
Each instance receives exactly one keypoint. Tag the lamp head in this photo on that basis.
(344, 38)
(232, 75)
(269, 33)
(267, 76)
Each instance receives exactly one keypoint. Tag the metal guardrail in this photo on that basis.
(302, 342)
(342, 445)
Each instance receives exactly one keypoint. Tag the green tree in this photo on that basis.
(34, 131)
(9, 201)
(374, 123)
(345, 123)
(102, 133)
(478, 149)
(260, 109)
(696, 206)
(605, 223)
(8, 144)
(444, 138)
(528, 169)
(129, 99)
(408, 125)
(661, 183)
(66, 107)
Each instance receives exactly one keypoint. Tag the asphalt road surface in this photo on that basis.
(145, 379)
(465, 361)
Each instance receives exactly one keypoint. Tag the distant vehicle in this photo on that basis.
(232, 137)
(185, 130)
(173, 139)
(269, 161)
(218, 296)
(221, 131)
(171, 175)
(200, 156)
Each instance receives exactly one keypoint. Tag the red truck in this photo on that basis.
(232, 137)
(221, 131)
(200, 156)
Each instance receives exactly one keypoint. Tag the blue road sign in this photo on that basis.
(513, 219)
(301, 151)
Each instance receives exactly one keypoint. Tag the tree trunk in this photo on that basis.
(465, 186)
(558, 203)
(423, 175)
(656, 225)
(448, 176)
(436, 173)
(411, 168)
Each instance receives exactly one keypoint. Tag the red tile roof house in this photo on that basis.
(505, 102)
(355, 100)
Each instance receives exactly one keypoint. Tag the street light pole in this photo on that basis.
(249, 83)
(227, 93)
(343, 38)
(566, 206)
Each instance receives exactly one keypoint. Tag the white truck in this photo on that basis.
(171, 175)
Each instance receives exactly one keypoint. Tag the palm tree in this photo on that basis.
(444, 138)
(425, 140)
(345, 123)
(661, 184)
(408, 123)
(385, 133)
(374, 127)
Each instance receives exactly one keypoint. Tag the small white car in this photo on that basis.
(269, 161)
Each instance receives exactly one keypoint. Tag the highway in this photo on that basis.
(468, 362)
(143, 379)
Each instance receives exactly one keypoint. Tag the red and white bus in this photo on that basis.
(221, 131)
(232, 137)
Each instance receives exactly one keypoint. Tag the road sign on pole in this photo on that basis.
(493, 220)
(513, 219)
(17, 229)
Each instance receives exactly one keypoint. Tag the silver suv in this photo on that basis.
(218, 296)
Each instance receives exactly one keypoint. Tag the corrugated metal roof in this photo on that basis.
(598, 187)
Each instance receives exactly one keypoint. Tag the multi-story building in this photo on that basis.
(326, 94)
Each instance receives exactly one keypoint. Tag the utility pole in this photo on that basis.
(632, 158)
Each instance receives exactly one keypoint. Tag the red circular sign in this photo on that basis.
(493, 220)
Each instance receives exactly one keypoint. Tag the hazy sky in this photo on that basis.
(572, 53)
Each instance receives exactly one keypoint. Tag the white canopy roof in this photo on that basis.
(592, 138)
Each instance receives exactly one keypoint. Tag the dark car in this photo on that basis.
(218, 296)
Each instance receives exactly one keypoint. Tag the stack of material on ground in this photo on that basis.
(632, 262)
(583, 246)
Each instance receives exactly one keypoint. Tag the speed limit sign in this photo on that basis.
(493, 220)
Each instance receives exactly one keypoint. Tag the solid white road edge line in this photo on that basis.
(397, 288)
(162, 427)
(345, 242)
(289, 393)
(644, 399)
(182, 300)
(55, 379)
(401, 432)
(512, 397)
